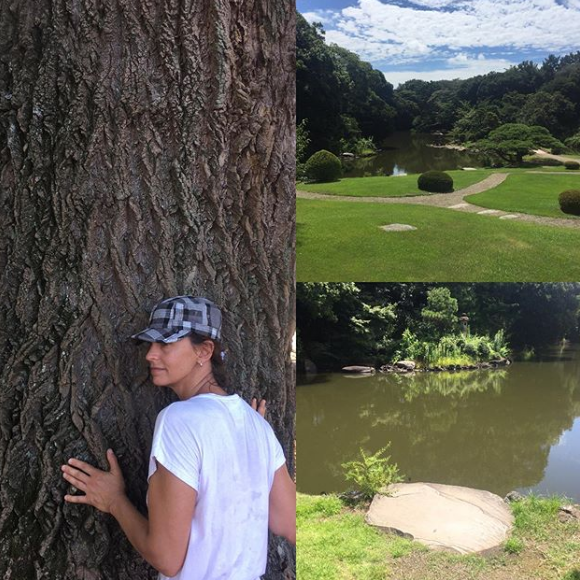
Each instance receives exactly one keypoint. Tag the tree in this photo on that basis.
(336, 326)
(318, 87)
(550, 110)
(440, 314)
(302, 140)
(475, 123)
(147, 151)
(341, 96)
(512, 141)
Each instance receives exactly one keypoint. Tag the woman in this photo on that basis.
(217, 474)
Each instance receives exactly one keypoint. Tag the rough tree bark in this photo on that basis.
(147, 151)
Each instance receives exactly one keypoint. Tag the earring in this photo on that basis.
(200, 363)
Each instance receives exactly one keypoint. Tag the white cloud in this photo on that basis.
(324, 16)
(389, 33)
(433, 3)
(461, 66)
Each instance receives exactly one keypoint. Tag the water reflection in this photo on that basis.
(405, 153)
(515, 428)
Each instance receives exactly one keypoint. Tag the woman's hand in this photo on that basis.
(261, 408)
(102, 488)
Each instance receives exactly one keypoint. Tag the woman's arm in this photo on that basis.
(282, 509)
(161, 540)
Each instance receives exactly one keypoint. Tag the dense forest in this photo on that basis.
(338, 96)
(341, 98)
(368, 323)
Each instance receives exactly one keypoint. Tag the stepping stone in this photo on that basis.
(397, 228)
(469, 168)
(509, 216)
(458, 205)
(358, 369)
(488, 211)
(443, 517)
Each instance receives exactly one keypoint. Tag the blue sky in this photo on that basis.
(446, 39)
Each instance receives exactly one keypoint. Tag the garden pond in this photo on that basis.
(404, 152)
(513, 428)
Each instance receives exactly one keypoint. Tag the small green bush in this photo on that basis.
(558, 149)
(514, 546)
(372, 473)
(544, 161)
(570, 201)
(573, 165)
(435, 182)
(573, 142)
(323, 166)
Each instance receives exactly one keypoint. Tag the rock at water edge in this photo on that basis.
(443, 517)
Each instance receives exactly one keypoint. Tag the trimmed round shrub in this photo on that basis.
(544, 161)
(573, 142)
(570, 201)
(435, 182)
(573, 165)
(323, 166)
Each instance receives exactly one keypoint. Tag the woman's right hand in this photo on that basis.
(261, 408)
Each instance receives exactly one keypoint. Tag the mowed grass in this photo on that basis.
(535, 194)
(388, 186)
(334, 543)
(342, 241)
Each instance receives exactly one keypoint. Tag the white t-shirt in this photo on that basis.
(228, 453)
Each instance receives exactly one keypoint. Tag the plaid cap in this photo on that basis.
(174, 318)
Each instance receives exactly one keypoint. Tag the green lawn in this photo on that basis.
(341, 241)
(403, 185)
(334, 543)
(388, 186)
(529, 193)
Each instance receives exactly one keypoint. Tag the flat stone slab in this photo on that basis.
(358, 369)
(488, 211)
(509, 216)
(458, 205)
(398, 228)
(443, 517)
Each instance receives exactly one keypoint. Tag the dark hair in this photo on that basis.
(216, 357)
(217, 362)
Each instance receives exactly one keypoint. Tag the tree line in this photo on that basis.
(368, 323)
(341, 99)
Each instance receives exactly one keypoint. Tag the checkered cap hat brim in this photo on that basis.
(176, 317)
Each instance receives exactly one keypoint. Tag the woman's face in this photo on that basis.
(176, 364)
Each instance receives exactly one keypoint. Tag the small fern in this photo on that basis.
(372, 473)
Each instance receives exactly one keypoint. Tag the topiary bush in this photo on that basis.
(573, 165)
(435, 182)
(323, 166)
(570, 201)
(573, 142)
(544, 161)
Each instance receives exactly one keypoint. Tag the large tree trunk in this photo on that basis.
(147, 151)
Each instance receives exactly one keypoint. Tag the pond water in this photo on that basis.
(516, 428)
(404, 153)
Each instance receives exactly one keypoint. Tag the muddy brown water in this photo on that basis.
(508, 429)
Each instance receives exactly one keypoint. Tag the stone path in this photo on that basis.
(443, 517)
(454, 201)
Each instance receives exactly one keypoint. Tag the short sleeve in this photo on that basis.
(276, 453)
(176, 447)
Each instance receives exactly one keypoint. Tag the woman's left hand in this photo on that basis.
(102, 488)
(261, 407)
